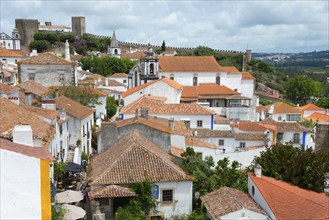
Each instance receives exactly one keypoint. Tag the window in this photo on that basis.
(151, 68)
(60, 129)
(199, 154)
(195, 80)
(220, 142)
(279, 136)
(293, 117)
(167, 195)
(115, 51)
(218, 80)
(124, 81)
(242, 145)
(279, 118)
(31, 76)
(199, 123)
(172, 77)
(296, 138)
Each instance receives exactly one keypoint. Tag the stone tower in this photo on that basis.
(246, 59)
(114, 50)
(26, 29)
(78, 26)
(67, 51)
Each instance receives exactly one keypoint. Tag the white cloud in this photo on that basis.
(288, 26)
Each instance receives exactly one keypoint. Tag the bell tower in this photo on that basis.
(16, 39)
(114, 50)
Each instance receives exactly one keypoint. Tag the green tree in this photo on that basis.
(305, 169)
(111, 107)
(163, 46)
(323, 102)
(39, 45)
(69, 37)
(203, 51)
(301, 88)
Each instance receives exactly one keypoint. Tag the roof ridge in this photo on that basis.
(306, 198)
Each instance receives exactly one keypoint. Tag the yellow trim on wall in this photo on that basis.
(45, 190)
(273, 137)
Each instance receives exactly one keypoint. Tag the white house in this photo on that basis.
(9, 92)
(155, 88)
(309, 109)
(12, 42)
(11, 56)
(282, 200)
(120, 77)
(281, 111)
(134, 158)
(228, 203)
(194, 114)
(24, 177)
(80, 124)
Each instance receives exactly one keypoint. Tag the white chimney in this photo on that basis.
(28, 98)
(258, 170)
(106, 82)
(22, 134)
(67, 51)
(34, 53)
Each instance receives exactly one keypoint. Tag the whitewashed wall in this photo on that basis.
(20, 186)
(308, 113)
(186, 78)
(101, 108)
(182, 198)
(244, 214)
(177, 141)
(247, 88)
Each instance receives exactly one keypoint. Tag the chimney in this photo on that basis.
(187, 123)
(258, 170)
(62, 114)
(106, 82)
(171, 122)
(56, 92)
(136, 113)
(48, 23)
(34, 53)
(22, 134)
(28, 98)
(67, 51)
(144, 112)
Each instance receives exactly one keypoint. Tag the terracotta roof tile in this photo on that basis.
(34, 88)
(135, 159)
(136, 55)
(111, 191)
(12, 114)
(250, 136)
(285, 126)
(206, 90)
(310, 107)
(283, 108)
(221, 120)
(231, 69)
(45, 59)
(189, 64)
(7, 89)
(205, 132)
(318, 117)
(160, 124)
(254, 126)
(46, 113)
(73, 108)
(261, 108)
(177, 152)
(291, 202)
(247, 76)
(37, 152)
(119, 75)
(158, 107)
(227, 200)
(12, 53)
(168, 81)
(197, 142)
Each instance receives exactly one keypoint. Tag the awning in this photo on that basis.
(73, 168)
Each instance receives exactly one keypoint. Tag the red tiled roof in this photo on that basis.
(283, 108)
(7, 89)
(287, 201)
(134, 158)
(247, 76)
(12, 53)
(206, 132)
(250, 136)
(310, 107)
(34, 88)
(254, 126)
(111, 191)
(177, 152)
(45, 59)
(206, 90)
(227, 200)
(231, 69)
(197, 142)
(119, 75)
(46, 113)
(136, 55)
(168, 81)
(285, 126)
(221, 120)
(189, 64)
(12, 114)
(73, 108)
(318, 117)
(37, 152)
(156, 106)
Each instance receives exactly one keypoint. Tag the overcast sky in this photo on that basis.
(262, 25)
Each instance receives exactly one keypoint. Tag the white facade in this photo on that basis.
(244, 214)
(11, 42)
(159, 88)
(101, 107)
(123, 80)
(182, 198)
(20, 186)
